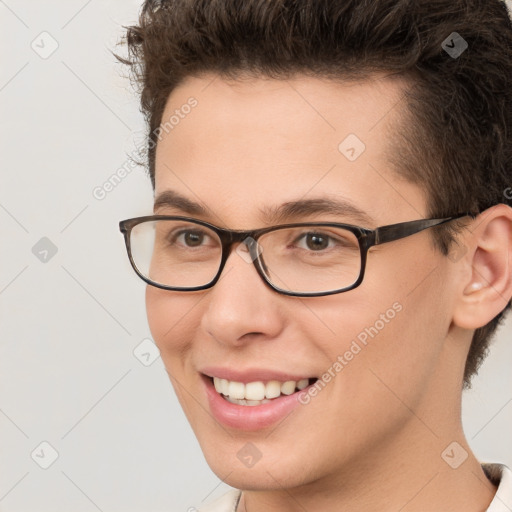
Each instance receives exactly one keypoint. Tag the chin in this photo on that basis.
(257, 478)
(256, 464)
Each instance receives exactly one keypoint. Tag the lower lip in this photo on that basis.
(249, 417)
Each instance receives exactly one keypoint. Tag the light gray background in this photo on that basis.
(69, 325)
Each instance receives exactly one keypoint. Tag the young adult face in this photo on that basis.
(257, 144)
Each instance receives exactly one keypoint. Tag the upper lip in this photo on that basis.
(252, 374)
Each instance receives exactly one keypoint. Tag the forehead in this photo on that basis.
(261, 142)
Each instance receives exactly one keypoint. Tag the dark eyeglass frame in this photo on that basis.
(366, 238)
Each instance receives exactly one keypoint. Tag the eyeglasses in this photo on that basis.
(307, 259)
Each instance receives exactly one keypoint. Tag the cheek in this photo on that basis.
(393, 327)
(171, 320)
(403, 347)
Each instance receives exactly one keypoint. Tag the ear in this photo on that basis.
(486, 287)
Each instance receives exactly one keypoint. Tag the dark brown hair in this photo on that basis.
(457, 142)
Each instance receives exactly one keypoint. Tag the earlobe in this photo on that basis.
(488, 289)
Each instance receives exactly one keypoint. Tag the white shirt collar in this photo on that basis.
(226, 503)
(501, 476)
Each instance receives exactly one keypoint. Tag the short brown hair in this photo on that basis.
(458, 142)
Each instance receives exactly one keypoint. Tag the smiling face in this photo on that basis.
(377, 352)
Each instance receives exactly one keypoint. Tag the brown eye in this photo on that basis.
(193, 239)
(316, 242)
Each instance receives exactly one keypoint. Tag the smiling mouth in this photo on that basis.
(258, 392)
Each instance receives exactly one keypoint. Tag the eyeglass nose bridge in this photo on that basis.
(251, 255)
(254, 249)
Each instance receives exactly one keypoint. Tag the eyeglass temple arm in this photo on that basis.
(403, 229)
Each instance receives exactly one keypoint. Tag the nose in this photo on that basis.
(240, 305)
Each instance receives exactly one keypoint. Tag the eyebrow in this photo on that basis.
(272, 215)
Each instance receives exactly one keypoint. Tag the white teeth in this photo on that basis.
(256, 393)
(246, 402)
(288, 387)
(302, 384)
(236, 390)
(224, 386)
(273, 389)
